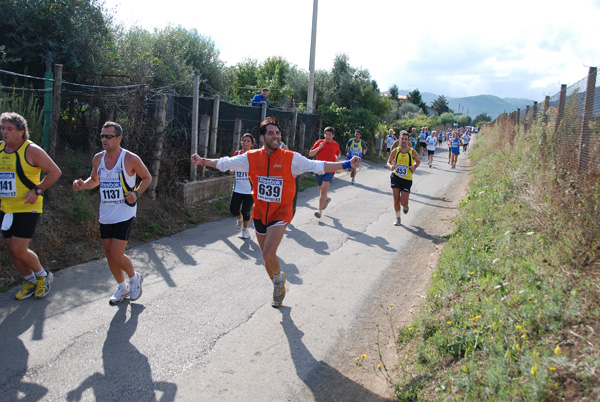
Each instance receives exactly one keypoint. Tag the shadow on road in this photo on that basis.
(306, 241)
(127, 373)
(14, 354)
(419, 231)
(325, 382)
(359, 237)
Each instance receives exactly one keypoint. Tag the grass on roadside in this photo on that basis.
(512, 312)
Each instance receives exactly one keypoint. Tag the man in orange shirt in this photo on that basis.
(326, 150)
(273, 173)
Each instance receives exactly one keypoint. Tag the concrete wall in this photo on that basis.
(197, 191)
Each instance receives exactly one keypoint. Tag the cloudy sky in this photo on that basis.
(516, 49)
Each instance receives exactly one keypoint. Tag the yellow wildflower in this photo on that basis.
(558, 350)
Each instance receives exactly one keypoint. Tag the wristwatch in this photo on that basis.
(136, 193)
(39, 191)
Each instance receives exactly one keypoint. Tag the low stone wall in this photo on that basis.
(205, 190)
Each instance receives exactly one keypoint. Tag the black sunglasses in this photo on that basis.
(108, 136)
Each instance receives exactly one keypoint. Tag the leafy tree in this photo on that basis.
(171, 56)
(39, 33)
(481, 119)
(394, 92)
(245, 81)
(447, 118)
(440, 105)
(275, 73)
(415, 98)
(408, 110)
(463, 120)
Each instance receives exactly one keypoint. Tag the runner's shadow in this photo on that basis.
(359, 237)
(292, 273)
(15, 356)
(251, 249)
(127, 373)
(325, 382)
(419, 231)
(306, 241)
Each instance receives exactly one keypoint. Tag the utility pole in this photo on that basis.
(311, 67)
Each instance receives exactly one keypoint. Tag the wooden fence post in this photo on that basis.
(160, 129)
(294, 128)
(302, 137)
(546, 107)
(263, 112)
(237, 133)
(58, 68)
(194, 139)
(588, 112)
(204, 127)
(562, 100)
(214, 125)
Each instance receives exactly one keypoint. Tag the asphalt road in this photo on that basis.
(204, 329)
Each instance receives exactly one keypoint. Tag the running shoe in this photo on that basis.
(327, 203)
(245, 234)
(352, 182)
(405, 209)
(135, 286)
(42, 285)
(239, 224)
(27, 291)
(120, 294)
(318, 214)
(397, 222)
(279, 293)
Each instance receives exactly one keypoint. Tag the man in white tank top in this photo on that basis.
(115, 170)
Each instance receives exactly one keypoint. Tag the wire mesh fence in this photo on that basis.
(84, 108)
(569, 125)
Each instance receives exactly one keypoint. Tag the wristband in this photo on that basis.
(346, 165)
(202, 162)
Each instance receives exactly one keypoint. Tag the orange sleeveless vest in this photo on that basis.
(273, 185)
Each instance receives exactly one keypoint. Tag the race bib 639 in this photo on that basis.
(269, 189)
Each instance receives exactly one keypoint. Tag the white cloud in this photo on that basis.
(513, 49)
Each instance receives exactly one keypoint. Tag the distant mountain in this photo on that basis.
(473, 106)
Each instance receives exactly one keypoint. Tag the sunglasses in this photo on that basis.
(108, 136)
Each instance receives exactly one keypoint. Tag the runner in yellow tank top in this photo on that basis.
(403, 162)
(21, 198)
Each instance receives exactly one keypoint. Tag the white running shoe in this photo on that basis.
(120, 294)
(245, 234)
(135, 286)
(239, 225)
(397, 222)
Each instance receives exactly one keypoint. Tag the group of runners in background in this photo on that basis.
(264, 190)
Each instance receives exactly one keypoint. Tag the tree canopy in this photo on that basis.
(440, 105)
(415, 98)
(40, 33)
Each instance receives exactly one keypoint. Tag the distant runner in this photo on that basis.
(403, 162)
(355, 147)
